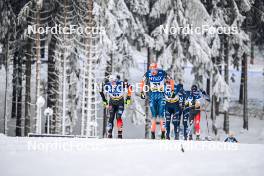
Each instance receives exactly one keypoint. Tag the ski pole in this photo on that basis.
(206, 116)
(190, 130)
(208, 132)
(135, 109)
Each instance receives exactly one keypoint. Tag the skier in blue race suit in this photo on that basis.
(187, 99)
(174, 100)
(155, 78)
(231, 138)
(192, 108)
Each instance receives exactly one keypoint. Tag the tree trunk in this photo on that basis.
(241, 91)
(213, 100)
(64, 76)
(226, 115)
(108, 72)
(51, 84)
(19, 98)
(17, 92)
(252, 50)
(6, 49)
(28, 89)
(208, 85)
(213, 114)
(219, 66)
(14, 92)
(245, 102)
(147, 125)
(38, 67)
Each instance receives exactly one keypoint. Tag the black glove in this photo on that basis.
(173, 95)
(128, 101)
(105, 103)
(142, 95)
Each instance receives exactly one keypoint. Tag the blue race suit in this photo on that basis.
(192, 108)
(156, 82)
(174, 100)
(187, 101)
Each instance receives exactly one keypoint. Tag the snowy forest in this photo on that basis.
(49, 81)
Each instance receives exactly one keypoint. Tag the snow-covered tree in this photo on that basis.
(7, 30)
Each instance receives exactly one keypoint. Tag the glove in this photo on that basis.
(173, 95)
(105, 103)
(142, 95)
(128, 101)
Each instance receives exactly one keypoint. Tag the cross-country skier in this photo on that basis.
(192, 109)
(155, 78)
(231, 138)
(174, 100)
(117, 90)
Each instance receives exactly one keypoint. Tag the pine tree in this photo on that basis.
(7, 30)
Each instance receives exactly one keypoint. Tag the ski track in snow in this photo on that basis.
(115, 157)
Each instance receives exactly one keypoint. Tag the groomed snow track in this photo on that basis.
(44, 156)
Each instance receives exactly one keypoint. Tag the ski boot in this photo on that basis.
(152, 135)
(119, 135)
(177, 137)
(162, 135)
(109, 134)
(167, 136)
(198, 138)
(190, 137)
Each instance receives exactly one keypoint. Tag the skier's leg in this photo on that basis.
(197, 119)
(153, 120)
(153, 125)
(161, 109)
(167, 124)
(153, 109)
(185, 123)
(119, 121)
(162, 127)
(180, 111)
(191, 121)
(110, 124)
(176, 124)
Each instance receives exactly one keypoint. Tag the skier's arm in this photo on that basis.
(102, 93)
(185, 97)
(129, 93)
(235, 140)
(172, 82)
(182, 98)
(206, 96)
(142, 83)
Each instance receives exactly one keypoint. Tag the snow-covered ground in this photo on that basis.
(57, 156)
